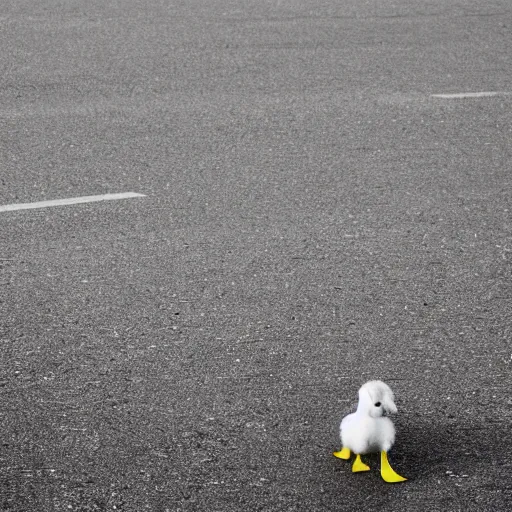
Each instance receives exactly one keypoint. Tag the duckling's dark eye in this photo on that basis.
(377, 404)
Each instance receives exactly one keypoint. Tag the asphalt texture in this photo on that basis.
(313, 218)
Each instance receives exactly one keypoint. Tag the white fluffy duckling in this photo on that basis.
(367, 430)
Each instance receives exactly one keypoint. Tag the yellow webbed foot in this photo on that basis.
(359, 465)
(387, 472)
(344, 454)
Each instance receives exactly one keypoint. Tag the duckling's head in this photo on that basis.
(376, 399)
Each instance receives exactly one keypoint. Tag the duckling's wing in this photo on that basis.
(385, 434)
(349, 411)
(347, 420)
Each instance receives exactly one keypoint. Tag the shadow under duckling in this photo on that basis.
(367, 430)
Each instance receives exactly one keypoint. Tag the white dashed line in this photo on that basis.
(463, 95)
(70, 200)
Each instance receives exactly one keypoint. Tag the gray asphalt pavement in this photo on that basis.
(313, 218)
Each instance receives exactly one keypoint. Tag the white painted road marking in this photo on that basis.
(462, 95)
(70, 200)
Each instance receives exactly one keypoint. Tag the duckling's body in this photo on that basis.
(368, 431)
(361, 434)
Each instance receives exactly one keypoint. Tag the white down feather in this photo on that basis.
(367, 430)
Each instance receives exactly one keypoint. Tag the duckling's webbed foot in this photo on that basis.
(359, 465)
(387, 472)
(344, 454)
